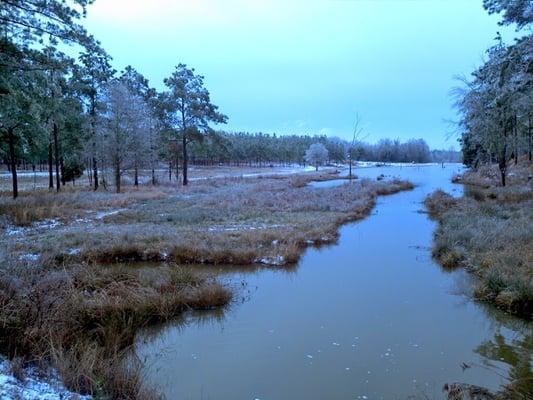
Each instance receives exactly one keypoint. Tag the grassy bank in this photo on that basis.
(488, 231)
(66, 302)
(82, 319)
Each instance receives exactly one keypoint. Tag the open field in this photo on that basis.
(267, 220)
(488, 231)
(64, 301)
(28, 180)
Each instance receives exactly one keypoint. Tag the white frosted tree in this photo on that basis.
(125, 136)
(496, 105)
(316, 154)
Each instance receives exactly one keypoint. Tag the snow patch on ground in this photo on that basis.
(237, 228)
(283, 171)
(7, 175)
(33, 387)
(12, 231)
(38, 226)
(367, 164)
(268, 172)
(29, 257)
(103, 214)
(276, 260)
(47, 224)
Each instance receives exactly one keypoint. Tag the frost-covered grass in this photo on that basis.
(29, 181)
(39, 205)
(489, 231)
(218, 221)
(488, 175)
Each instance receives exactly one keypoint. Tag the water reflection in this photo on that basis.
(509, 352)
(516, 353)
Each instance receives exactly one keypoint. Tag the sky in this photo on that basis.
(309, 67)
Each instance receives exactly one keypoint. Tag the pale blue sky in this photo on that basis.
(309, 66)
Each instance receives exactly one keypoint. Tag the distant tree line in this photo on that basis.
(496, 104)
(260, 149)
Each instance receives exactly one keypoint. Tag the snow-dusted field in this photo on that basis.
(33, 386)
(29, 180)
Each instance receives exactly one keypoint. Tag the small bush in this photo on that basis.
(439, 202)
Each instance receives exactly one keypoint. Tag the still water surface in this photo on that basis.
(371, 317)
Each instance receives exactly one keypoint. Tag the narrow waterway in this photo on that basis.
(371, 317)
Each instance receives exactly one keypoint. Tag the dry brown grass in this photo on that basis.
(41, 204)
(439, 202)
(488, 176)
(84, 319)
(229, 221)
(488, 231)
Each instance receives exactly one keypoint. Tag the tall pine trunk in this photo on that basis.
(89, 172)
(530, 138)
(177, 165)
(50, 166)
(117, 175)
(56, 154)
(13, 161)
(95, 170)
(502, 157)
(185, 181)
(515, 131)
(93, 133)
(62, 169)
